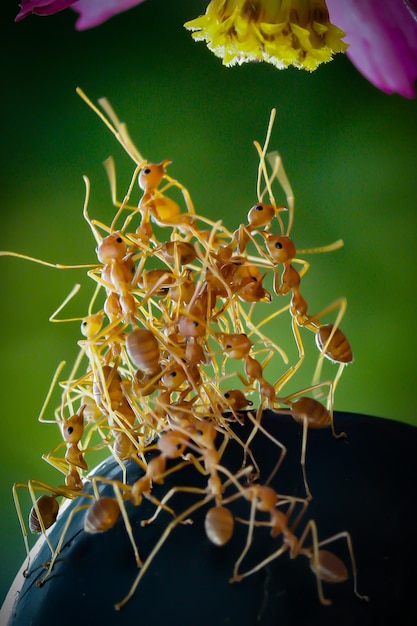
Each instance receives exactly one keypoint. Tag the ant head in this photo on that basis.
(171, 444)
(236, 399)
(173, 377)
(112, 248)
(235, 346)
(261, 214)
(203, 433)
(280, 247)
(73, 427)
(91, 325)
(151, 175)
(254, 292)
(191, 326)
(265, 497)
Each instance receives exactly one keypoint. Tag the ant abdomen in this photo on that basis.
(143, 349)
(339, 349)
(330, 568)
(219, 525)
(102, 515)
(48, 510)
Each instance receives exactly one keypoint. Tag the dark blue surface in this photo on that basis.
(366, 484)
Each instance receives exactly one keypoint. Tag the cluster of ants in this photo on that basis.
(173, 359)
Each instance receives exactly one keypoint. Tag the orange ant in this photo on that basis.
(117, 272)
(149, 176)
(157, 385)
(219, 522)
(72, 431)
(238, 346)
(330, 340)
(326, 566)
(310, 413)
(44, 511)
(101, 515)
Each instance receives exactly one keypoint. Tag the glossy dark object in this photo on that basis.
(365, 484)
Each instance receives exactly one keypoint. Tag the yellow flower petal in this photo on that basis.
(281, 32)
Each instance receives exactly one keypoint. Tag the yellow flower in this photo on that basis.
(281, 32)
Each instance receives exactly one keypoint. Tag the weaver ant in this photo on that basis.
(326, 566)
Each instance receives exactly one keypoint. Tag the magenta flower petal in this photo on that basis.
(42, 7)
(94, 12)
(383, 40)
(412, 7)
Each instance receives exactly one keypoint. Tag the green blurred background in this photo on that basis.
(349, 151)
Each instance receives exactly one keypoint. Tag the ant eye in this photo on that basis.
(227, 394)
(195, 324)
(70, 430)
(278, 245)
(146, 171)
(84, 323)
(119, 240)
(259, 207)
(173, 374)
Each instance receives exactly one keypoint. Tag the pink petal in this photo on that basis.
(94, 12)
(42, 7)
(412, 7)
(383, 40)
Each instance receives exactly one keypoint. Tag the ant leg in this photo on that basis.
(186, 194)
(31, 485)
(314, 557)
(185, 514)
(289, 537)
(117, 492)
(58, 548)
(182, 517)
(275, 161)
(22, 524)
(255, 328)
(330, 401)
(258, 426)
(325, 565)
(281, 382)
(121, 206)
(346, 535)
(49, 394)
(119, 129)
(262, 153)
(236, 576)
(58, 266)
(162, 503)
(303, 458)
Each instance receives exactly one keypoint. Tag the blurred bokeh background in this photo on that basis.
(349, 151)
